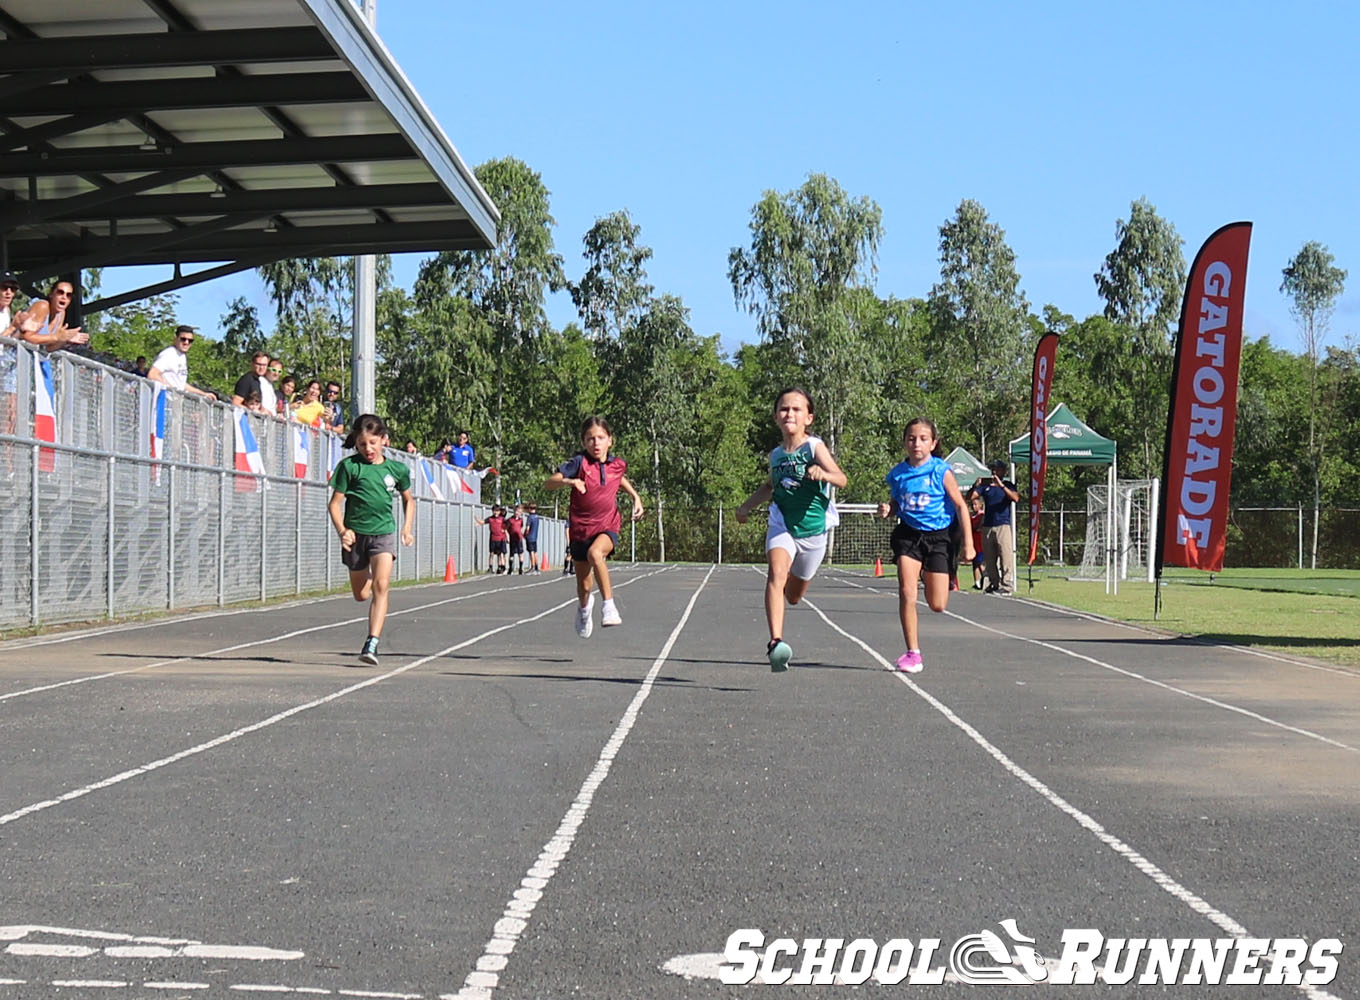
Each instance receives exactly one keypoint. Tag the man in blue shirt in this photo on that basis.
(462, 455)
(998, 538)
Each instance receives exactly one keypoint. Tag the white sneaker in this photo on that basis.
(609, 614)
(584, 625)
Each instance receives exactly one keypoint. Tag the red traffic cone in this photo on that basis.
(450, 574)
(878, 567)
(544, 567)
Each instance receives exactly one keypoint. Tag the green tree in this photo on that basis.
(809, 250)
(504, 287)
(1143, 277)
(979, 326)
(1313, 284)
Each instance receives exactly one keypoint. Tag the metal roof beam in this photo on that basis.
(84, 54)
(84, 206)
(69, 125)
(108, 251)
(130, 97)
(209, 155)
(161, 287)
(278, 200)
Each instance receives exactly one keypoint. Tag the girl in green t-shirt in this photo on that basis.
(361, 512)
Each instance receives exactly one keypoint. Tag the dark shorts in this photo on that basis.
(580, 550)
(929, 548)
(498, 548)
(516, 546)
(365, 547)
(532, 545)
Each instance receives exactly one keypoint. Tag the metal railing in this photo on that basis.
(92, 525)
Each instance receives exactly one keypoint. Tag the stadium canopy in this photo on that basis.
(224, 132)
(1070, 442)
(967, 469)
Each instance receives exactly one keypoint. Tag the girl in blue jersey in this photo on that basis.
(802, 470)
(926, 499)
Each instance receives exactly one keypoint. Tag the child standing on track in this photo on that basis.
(595, 477)
(802, 470)
(514, 525)
(495, 523)
(925, 498)
(367, 482)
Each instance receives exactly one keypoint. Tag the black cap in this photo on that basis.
(9, 278)
(997, 465)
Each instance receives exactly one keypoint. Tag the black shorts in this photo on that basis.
(498, 547)
(580, 550)
(365, 547)
(516, 546)
(929, 548)
(531, 546)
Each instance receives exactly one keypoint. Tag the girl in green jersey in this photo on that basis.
(802, 470)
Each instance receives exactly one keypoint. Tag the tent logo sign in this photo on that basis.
(1063, 431)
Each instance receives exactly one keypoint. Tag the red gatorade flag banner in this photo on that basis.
(1044, 356)
(1192, 522)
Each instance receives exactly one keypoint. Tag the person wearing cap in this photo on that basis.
(998, 538)
(9, 287)
(171, 367)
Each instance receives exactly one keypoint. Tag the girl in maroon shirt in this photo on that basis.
(595, 477)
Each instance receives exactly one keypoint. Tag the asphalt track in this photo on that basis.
(229, 805)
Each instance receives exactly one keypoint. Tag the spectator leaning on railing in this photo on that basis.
(254, 381)
(171, 367)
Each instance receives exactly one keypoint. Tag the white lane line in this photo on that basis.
(1164, 881)
(1134, 675)
(236, 734)
(506, 934)
(278, 638)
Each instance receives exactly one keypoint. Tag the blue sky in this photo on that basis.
(1054, 116)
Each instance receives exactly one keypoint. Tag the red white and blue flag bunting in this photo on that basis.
(247, 453)
(432, 477)
(300, 436)
(159, 404)
(44, 411)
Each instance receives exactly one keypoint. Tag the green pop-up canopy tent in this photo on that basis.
(967, 469)
(1070, 441)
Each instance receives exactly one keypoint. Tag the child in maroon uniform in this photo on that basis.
(595, 477)
(499, 536)
(514, 524)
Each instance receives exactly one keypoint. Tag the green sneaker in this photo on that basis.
(369, 654)
(779, 652)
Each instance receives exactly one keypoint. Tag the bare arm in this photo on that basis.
(627, 487)
(557, 481)
(408, 505)
(762, 495)
(336, 508)
(825, 469)
(951, 489)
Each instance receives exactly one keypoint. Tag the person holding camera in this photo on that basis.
(998, 536)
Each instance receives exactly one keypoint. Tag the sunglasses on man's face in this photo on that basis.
(276, 371)
(185, 340)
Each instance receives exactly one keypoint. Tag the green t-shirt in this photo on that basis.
(801, 501)
(369, 489)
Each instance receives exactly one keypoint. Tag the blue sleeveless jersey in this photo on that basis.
(919, 493)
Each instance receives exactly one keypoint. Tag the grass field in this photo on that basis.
(1307, 613)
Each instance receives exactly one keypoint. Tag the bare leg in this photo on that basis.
(908, 576)
(599, 551)
(776, 582)
(381, 566)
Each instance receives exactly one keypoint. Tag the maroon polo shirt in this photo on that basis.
(597, 509)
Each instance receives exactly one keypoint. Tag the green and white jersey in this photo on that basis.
(800, 503)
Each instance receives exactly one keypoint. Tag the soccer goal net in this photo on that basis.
(1129, 549)
(861, 537)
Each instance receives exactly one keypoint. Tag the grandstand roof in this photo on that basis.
(237, 131)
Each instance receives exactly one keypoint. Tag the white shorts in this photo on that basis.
(807, 553)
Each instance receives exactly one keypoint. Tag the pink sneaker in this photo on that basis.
(910, 662)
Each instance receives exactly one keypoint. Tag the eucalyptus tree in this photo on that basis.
(312, 299)
(1313, 283)
(979, 320)
(1143, 277)
(505, 287)
(614, 293)
(810, 249)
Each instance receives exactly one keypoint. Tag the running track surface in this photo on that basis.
(229, 805)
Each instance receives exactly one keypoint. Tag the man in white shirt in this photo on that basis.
(171, 367)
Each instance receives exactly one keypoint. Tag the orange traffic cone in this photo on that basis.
(544, 567)
(450, 574)
(878, 567)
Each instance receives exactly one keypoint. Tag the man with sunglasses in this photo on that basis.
(171, 367)
(333, 417)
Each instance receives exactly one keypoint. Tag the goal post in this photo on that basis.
(1122, 539)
